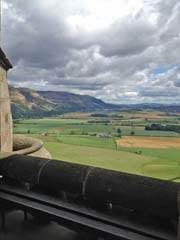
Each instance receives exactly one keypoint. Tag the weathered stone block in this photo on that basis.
(6, 137)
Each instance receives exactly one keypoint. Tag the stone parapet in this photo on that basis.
(29, 146)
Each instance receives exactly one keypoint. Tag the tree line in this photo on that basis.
(161, 127)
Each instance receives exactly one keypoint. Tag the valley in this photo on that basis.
(113, 140)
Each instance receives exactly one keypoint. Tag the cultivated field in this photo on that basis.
(99, 157)
(149, 142)
(117, 141)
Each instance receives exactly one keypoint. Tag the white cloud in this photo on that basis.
(104, 48)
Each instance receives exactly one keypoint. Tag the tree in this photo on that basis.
(132, 133)
(72, 132)
(119, 132)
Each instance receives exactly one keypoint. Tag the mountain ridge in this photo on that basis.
(28, 103)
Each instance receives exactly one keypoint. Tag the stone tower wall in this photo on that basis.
(6, 137)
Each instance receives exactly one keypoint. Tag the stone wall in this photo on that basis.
(6, 139)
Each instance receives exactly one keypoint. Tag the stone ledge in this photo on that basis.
(27, 146)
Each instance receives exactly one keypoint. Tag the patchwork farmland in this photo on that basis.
(117, 141)
(149, 142)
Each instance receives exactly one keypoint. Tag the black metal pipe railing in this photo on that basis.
(95, 185)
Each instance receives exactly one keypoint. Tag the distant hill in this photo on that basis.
(27, 103)
(30, 103)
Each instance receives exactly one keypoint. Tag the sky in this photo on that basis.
(120, 51)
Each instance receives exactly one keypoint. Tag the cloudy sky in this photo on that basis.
(121, 51)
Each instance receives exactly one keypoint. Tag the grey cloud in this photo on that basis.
(171, 28)
(114, 63)
(82, 83)
(39, 39)
(128, 37)
(159, 92)
(165, 9)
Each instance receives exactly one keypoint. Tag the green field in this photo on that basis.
(88, 141)
(74, 140)
(80, 127)
(158, 163)
(93, 156)
(166, 165)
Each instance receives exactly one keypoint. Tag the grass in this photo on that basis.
(88, 141)
(63, 126)
(163, 171)
(145, 164)
(98, 157)
(139, 131)
(165, 166)
(158, 163)
(79, 126)
(66, 141)
(37, 126)
(168, 154)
